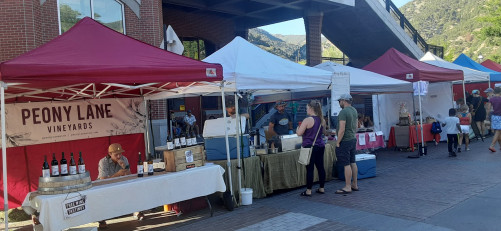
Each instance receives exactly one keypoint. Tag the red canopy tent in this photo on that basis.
(397, 65)
(89, 61)
(492, 65)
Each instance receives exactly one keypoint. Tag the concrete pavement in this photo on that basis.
(435, 192)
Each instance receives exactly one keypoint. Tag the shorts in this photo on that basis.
(345, 153)
(496, 122)
(465, 129)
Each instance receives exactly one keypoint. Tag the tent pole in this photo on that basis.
(4, 156)
(378, 113)
(147, 133)
(228, 163)
(421, 118)
(416, 127)
(464, 93)
(239, 161)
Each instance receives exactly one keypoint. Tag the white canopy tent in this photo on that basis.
(247, 67)
(470, 75)
(363, 81)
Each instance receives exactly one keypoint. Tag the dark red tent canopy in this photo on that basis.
(397, 65)
(492, 65)
(90, 53)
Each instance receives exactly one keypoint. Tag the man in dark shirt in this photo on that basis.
(280, 124)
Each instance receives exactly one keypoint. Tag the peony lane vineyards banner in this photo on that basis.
(47, 122)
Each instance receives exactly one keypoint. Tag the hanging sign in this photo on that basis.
(74, 206)
(340, 85)
(420, 87)
(48, 122)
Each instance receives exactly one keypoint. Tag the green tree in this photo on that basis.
(69, 17)
(493, 30)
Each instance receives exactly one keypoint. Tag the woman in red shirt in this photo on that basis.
(465, 123)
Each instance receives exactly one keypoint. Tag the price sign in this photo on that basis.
(74, 206)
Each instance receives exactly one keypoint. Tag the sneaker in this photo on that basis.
(468, 149)
(459, 150)
(451, 154)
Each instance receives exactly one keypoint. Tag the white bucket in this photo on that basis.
(246, 196)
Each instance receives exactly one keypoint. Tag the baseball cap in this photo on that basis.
(280, 103)
(115, 148)
(475, 91)
(189, 111)
(488, 90)
(345, 96)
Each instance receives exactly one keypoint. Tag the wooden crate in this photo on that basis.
(175, 160)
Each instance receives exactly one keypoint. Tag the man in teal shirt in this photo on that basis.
(347, 143)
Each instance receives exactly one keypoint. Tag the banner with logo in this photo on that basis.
(340, 85)
(48, 122)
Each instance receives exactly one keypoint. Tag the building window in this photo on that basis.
(194, 48)
(108, 12)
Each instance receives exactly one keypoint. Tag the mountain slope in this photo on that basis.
(453, 24)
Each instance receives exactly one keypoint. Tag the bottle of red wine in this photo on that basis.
(140, 167)
(54, 166)
(177, 143)
(170, 143)
(73, 165)
(188, 139)
(150, 165)
(183, 140)
(193, 139)
(45, 167)
(64, 166)
(81, 164)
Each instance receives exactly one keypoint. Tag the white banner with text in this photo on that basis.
(48, 122)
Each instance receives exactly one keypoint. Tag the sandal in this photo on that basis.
(355, 189)
(305, 195)
(342, 191)
(318, 191)
(492, 149)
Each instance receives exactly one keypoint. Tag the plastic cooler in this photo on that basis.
(366, 164)
(215, 147)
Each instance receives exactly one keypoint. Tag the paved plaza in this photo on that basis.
(434, 192)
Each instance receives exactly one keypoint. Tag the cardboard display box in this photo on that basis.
(180, 159)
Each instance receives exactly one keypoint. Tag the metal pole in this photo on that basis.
(421, 118)
(4, 157)
(378, 113)
(239, 161)
(230, 180)
(464, 93)
(146, 130)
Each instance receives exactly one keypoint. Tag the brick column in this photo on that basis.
(313, 27)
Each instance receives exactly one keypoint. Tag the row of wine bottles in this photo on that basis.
(181, 141)
(53, 169)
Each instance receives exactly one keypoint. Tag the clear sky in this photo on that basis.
(296, 26)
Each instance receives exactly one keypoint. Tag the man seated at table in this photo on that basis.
(114, 165)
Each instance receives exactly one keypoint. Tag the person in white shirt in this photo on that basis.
(190, 121)
(451, 126)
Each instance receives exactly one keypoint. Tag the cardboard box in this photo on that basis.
(366, 164)
(180, 159)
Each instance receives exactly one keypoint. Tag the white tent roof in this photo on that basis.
(367, 81)
(470, 75)
(253, 68)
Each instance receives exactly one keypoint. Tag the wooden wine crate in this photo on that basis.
(176, 160)
(64, 184)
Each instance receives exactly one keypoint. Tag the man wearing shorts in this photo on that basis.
(346, 143)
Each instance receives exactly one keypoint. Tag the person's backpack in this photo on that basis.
(436, 128)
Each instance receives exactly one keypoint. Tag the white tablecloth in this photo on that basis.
(136, 194)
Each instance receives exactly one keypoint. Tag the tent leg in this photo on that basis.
(4, 156)
(147, 133)
(414, 111)
(464, 93)
(239, 161)
(421, 118)
(226, 139)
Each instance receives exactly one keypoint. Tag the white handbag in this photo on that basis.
(305, 153)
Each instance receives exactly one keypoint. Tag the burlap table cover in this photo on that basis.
(282, 171)
(251, 175)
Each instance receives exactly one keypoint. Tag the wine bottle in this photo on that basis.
(64, 166)
(177, 143)
(188, 140)
(54, 166)
(81, 164)
(193, 139)
(45, 167)
(150, 165)
(140, 167)
(183, 140)
(73, 165)
(170, 143)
